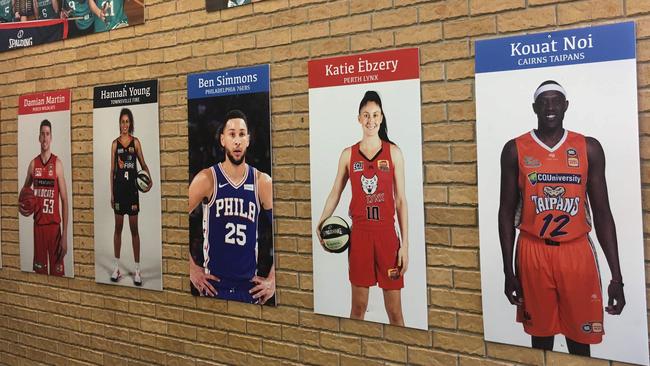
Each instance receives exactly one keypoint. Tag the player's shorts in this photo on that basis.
(234, 291)
(561, 289)
(47, 239)
(372, 254)
(127, 201)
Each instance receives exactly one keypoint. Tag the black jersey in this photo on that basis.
(125, 191)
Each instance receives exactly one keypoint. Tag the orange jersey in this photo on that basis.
(553, 187)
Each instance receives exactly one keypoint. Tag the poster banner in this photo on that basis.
(214, 5)
(26, 23)
(126, 168)
(559, 192)
(45, 223)
(231, 192)
(357, 104)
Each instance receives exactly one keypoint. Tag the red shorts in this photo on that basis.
(561, 289)
(373, 252)
(47, 239)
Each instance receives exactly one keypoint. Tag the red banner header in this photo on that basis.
(365, 68)
(58, 100)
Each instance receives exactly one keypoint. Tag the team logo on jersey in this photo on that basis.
(357, 166)
(554, 200)
(50, 170)
(383, 165)
(531, 162)
(131, 149)
(554, 191)
(572, 158)
(38, 172)
(38, 266)
(58, 268)
(249, 187)
(592, 327)
(369, 185)
(554, 178)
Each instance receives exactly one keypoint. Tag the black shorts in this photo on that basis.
(126, 198)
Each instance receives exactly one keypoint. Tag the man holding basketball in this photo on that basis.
(49, 206)
(234, 195)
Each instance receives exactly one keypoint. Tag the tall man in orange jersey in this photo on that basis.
(548, 178)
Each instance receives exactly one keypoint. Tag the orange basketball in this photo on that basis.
(27, 201)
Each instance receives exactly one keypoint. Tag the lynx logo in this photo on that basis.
(357, 166)
(19, 41)
(369, 185)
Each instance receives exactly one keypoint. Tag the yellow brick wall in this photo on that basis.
(77, 322)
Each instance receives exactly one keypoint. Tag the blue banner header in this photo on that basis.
(246, 80)
(575, 46)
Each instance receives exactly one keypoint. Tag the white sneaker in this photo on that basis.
(137, 279)
(116, 275)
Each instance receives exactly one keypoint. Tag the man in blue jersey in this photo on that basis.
(234, 196)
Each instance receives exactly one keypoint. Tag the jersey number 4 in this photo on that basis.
(561, 220)
(235, 234)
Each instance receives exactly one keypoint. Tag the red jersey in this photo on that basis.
(46, 190)
(553, 187)
(373, 200)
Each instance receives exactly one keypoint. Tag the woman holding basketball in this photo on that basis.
(124, 193)
(375, 168)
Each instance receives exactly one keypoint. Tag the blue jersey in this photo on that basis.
(230, 227)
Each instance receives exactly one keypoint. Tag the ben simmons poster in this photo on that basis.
(366, 173)
(561, 233)
(230, 186)
(126, 167)
(45, 184)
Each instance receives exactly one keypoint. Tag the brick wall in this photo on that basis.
(77, 322)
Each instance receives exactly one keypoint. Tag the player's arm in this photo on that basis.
(143, 165)
(509, 197)
(604, 223)
(400, 206)
(63, 193)
(96, 10)
(35, 7)
(110, 176)
(264, 287)
(27, 184)
(55, 5)
(201, 188)
(333, 198)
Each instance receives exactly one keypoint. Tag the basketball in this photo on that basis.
(142, 181)
(27, 201)
(336, 234)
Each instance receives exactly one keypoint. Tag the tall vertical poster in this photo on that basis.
(557, 134)
(230, 187)
(45, 183)
(126, 170)
(366, 160)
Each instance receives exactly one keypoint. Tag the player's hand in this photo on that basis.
(264, 289)
(616, 298)
(320, 238)
(61, 249)
(403, 260)
(513, 290)
(22, 210)
(200, 280)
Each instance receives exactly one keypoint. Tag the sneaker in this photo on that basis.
(116, 275)
(137, 280)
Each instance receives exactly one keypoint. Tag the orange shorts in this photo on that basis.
(372, 254)
(561, 289)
